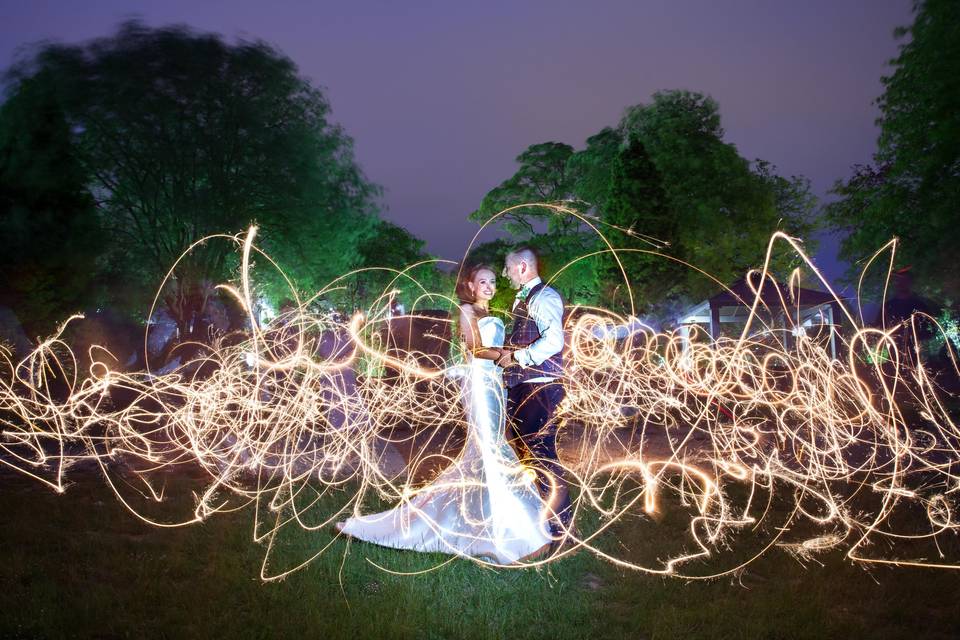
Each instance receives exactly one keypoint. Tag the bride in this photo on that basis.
(485, 504)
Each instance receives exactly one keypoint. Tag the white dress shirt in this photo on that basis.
(545, 309)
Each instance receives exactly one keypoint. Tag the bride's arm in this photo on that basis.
(471, 336)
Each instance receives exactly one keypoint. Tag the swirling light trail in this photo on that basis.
(274, 422)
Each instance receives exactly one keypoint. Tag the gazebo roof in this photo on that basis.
(742, 294)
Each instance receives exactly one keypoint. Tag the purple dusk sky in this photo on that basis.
(440, 97)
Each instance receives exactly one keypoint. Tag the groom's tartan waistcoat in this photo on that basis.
(525, 333)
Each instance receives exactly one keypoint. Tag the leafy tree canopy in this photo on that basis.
(389, 249)
(542, 177)
(662, 180)
(183, 135)
(51, 237)
(913, 189)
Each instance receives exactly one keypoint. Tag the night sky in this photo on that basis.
(440, 97)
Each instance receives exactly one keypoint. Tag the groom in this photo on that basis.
(533, 367)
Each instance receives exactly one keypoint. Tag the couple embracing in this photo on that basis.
(503, 500)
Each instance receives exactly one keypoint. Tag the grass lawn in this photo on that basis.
(79, 565)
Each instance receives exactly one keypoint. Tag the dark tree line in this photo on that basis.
(665, 188)
(119, 153)
(665, 171)
(50, 258)
(912, 190)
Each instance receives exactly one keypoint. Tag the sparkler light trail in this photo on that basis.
(865, 452)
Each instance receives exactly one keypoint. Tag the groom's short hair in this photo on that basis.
(526, 254)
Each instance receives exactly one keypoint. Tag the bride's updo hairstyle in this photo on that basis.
(466, 277)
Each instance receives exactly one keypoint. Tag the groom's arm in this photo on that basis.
(546, 309)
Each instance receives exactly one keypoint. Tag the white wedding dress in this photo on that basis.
(484, 504)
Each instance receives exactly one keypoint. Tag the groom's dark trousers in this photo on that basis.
(533, 433)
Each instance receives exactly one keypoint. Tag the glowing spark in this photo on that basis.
(707, 428)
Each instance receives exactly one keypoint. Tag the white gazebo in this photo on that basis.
(794, 311)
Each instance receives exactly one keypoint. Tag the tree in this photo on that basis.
(719, 208)
(183, 136)
(636, 207)
(913, 189)
(389, 249)
(542, 177)
(724, 211)
(665, 172)
(590, 168)
(51, 239)
(793, 198)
